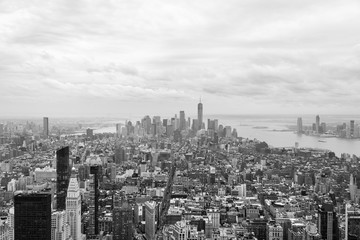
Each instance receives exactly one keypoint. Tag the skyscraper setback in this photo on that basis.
(63, 176)
(200, 115)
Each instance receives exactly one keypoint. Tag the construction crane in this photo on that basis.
(165, 204)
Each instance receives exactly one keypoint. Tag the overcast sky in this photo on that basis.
(126, 58)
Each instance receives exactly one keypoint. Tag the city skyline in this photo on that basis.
(119, 58)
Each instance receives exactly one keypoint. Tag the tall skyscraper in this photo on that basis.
(352, 128)
(150, 220)
(46, 126)
(123, 222)
(73, 208)
(63, 176)
(299, 125)
(328, 222)
(32, 216)
(317, 124)
(200, 115)
(95, 170)
(182, 121)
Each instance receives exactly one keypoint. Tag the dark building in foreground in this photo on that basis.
(32, 216)
(328, 222)
(123, 223)
(63, 176)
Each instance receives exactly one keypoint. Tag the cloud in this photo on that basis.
(271, 53)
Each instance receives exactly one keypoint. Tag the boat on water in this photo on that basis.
(322, 141)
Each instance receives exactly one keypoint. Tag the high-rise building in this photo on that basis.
(352, 222)
(195, 125)
(200, 115)
(89, 133)
(150, 212)
(32, 216)
(63, 176)
(165, 122)
(60, 229)
(73, 208)
(123, 222)
(274, 231)
(95, 170)
(352, 128)
(118, 129)
(11, 219)
(317, 124)
(299, 125)
(46, 126)
(182, 121)
(328, 222)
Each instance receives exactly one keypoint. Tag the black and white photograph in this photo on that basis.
(179, 120)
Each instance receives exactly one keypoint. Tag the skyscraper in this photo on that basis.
(32, 216)
(299, 125)
(317, 124)
(118, 130)
(73, 208)
(94, 228)
(328, 222)
(182, 121)
(63, 176)
(352, 222)
(46, 126)
(200, 115)
(352, 128)
(123, 222)
(150, 220)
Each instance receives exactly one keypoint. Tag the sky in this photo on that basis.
(66, 58)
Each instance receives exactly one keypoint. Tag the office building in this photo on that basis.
(274, 231)
(94, 205)
(352, 222)
(60, 229)
(328, 222)
(150, 225)
(63, 176)
(352, 128)
(118, 130)
(123, 222)
(200, 116)
(89, 133)
(46, 126)
(182, 121)
(317, 124)
(195, 125)
(32, 216)
(299, 125)
(73, 208)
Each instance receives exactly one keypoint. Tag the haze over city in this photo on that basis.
(123, 58)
